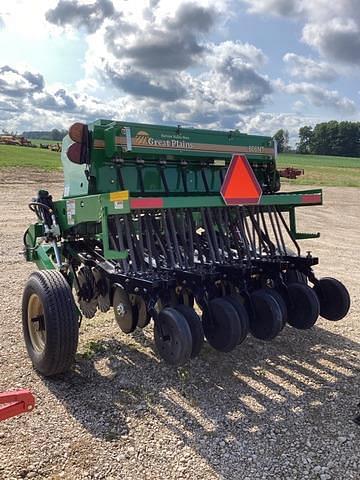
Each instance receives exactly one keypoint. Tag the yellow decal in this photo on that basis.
(118, 196)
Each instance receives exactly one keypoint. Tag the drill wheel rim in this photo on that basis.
(103, 288)
(304, 306)
(282, 304)
(267, 320)
(36, 323)
(172, 337)
(196, 328)
(334, 298)
(88, 305)
(222, 327)
(124, 311)
(243, 315)
(142, 313)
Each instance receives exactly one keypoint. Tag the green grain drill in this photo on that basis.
(181, 226)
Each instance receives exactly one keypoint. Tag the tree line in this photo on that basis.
(327, 138)
(53, 134)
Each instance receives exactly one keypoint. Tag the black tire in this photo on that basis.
(334, 298)
(172, 336)
(282, 304)
(223, 328)
(267, 322)
(303, 307)
(196, 329)
(243, 315)
(47, 297)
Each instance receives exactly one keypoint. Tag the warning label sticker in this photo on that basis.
(119, 205)
(70, 211)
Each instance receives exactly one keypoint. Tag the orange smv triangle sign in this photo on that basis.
(240, 186)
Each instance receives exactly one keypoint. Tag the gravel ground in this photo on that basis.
(279, 410)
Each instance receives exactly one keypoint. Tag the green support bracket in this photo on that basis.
(306, 236)
(298, 235)
(292, 219)
(34, 231)
(42, 257)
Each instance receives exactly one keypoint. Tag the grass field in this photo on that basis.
(323, 170)
(12, 156)
(319, 170)
(37, 141)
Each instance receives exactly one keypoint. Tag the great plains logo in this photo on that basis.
(144, 139)
(141, 138)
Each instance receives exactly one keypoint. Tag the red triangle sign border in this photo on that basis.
(228, 175)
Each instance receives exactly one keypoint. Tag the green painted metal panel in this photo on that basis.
(42, 257)
(279, 199)
(77, 210)
(168, 149)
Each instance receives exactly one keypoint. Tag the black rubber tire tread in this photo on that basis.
(196, 328)
(282, 304)
(243, 315)
(181, 329)
(334, 298)
(268, 322)
(224, 333)
(61, 322)
(304, 306)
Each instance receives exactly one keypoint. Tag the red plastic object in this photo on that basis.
(240, 185)
(16, 402)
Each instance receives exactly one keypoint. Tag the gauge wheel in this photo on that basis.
(172, 336)
(50, 322)
(303, 307)
(334, 298)
(195, 326)
(242, 313)
(267, 321)
(222, 325)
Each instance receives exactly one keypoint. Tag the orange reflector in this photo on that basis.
(240, 186)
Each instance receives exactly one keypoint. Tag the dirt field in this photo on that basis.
(278, 410)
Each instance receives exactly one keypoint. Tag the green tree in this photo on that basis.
(57, 134)
(330, 138)
(282, 139)
(325, 138)
(305, 140)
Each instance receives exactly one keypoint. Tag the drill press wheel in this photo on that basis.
(172, 336)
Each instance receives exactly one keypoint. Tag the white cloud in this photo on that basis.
(309, 69)
(269, 123)
(17, 83)
(287, 8)
(237, 52)
(27, 19)
(319, 97)
(159, 62)
(332, 28)
(338, 39)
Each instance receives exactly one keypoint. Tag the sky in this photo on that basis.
(255, 65)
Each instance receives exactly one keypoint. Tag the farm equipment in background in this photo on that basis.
(291, 173)
(162, 223)
(15, 403)
(54, 147)
(15, 140)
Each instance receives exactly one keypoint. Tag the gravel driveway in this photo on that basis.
(278, 410)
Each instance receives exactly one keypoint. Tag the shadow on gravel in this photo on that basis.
(259, 388)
